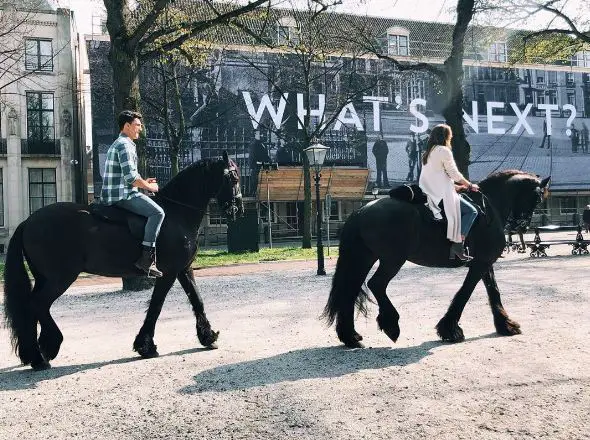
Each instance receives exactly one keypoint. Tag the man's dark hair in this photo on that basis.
(127, 116)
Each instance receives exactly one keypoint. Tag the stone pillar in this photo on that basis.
(13, 192)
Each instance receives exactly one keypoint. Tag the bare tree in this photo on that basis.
(306, 52)
(139, 32)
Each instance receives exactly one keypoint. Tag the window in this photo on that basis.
(40, 124)
(497, 52)
(540, 98)
(581, 59)
(334, 211)
(1, 199)
(42, 188)
(571, 98)
(567, 205)
(540, 78)
(39, 55)
(398, 45)
(287, 32)
(552, 77)
(552, 97)
(569, 79)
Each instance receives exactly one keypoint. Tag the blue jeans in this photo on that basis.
(468, 216)
(146, 207)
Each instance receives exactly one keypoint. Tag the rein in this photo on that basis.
(186, 205)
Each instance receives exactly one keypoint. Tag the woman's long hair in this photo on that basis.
(441, 134)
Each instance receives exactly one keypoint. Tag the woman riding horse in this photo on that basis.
(393, 231)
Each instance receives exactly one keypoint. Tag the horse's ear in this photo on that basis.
(226, 158)
(545, 182)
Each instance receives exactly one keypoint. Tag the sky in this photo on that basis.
(87, 11)
(424, 10)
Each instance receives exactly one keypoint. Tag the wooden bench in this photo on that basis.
(538, 246)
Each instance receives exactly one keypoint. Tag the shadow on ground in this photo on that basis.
(311, 363)
(21, 378)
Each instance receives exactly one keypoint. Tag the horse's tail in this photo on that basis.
(17, 297)
(354, 262)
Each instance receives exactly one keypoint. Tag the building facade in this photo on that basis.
(42, 149)
(518, 114)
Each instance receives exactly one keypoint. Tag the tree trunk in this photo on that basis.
(453, 111)
(307, 201)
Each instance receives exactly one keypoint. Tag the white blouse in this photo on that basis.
(437, 181)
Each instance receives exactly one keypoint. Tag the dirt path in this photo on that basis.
(279, 373)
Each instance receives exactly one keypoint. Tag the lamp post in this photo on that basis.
(316, 154)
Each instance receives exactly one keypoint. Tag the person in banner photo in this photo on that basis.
(412, 152)
(257, 155)
(380, 151)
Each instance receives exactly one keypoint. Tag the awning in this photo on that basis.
(286, 184)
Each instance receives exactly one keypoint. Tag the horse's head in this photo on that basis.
(229, 196)
(516, 194)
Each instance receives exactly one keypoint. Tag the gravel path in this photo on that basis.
(279, 373)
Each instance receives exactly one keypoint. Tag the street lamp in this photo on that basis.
(316, 154)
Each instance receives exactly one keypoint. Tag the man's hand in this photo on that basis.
(152, 186)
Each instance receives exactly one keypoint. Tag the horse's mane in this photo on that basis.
(188, 175)
(500, 177)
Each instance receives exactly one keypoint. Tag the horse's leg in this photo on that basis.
(44, 293)
(144, 341)
(388, 317)
(448, 327)
(206, 335)
(51, 337)
(504, 325)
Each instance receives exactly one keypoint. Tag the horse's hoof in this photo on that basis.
(508, 328)
(449, 332)
(149, 354)
(391, 330)
(357, 336)
(353, 343)
(41, 365)
(208, 338)
(392, 333)
(145, 347)
(212, 346)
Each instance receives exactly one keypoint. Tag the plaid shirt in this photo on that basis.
(120, 172)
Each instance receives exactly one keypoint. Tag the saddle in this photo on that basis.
(119, 216)
(413, 194)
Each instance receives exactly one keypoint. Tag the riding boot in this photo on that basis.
(458, 251)
(147, 262)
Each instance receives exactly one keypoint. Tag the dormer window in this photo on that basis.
(497, 53)
(287, 32)
(581, 59)
(398, 42)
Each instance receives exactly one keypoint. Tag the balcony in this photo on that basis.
(37, 147)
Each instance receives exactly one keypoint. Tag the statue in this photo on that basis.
(66, 121)
(12, 122)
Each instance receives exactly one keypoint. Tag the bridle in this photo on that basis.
(231, 208)
(523, 221)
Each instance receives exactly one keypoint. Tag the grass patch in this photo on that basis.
(211, 258)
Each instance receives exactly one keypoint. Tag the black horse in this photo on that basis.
(395, 231)
(61, 240)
